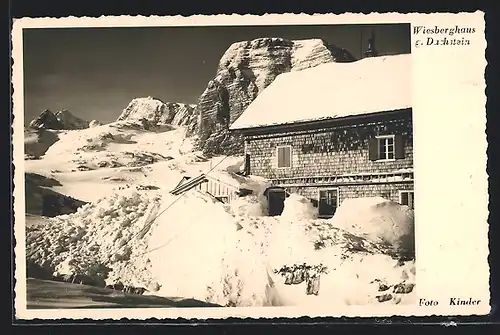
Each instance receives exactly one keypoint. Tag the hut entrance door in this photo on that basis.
(276, 201)
(328, 201)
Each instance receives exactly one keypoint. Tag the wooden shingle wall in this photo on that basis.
(335, 150)
(386, 191)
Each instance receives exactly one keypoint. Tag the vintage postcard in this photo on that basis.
(250, 166)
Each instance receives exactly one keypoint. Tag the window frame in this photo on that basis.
(412, 198)
(379, 154)
(277, 157)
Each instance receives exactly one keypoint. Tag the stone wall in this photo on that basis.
(334, 150)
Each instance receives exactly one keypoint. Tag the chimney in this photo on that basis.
(370, 50)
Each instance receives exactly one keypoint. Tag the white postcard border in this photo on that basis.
(451, 186)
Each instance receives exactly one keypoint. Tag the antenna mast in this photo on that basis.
(361, 44)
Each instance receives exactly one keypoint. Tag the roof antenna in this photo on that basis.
(361, 44)
(370, 50)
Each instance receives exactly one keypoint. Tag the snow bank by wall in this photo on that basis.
(379, 220)
(298, 208)
(201, 254)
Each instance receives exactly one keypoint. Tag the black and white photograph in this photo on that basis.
(222, 166)
(219, 166)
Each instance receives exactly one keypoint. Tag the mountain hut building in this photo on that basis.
(332, 132)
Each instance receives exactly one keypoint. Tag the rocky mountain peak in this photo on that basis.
(156, 111)
(46, 120)
(69, 121)
(245, 70)
(58, 121)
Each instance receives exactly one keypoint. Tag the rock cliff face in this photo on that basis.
(69, 121)
(46, 120)
(158, 112)
(244, 71)
(58, 121)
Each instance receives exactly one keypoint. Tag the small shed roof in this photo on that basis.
(332, 90)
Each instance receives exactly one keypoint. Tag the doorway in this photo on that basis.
(327, 202)
(275, 200)
(407, 198)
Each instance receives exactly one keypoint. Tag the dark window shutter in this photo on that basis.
(399, 147)
(373, 149)
(284, 157)
(280, 157)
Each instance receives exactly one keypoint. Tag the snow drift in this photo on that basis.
(298, 208)
(379, 220)
(96, 241)
(195, 247)
(219, 253)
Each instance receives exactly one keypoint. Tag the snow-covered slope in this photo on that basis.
(134, 232)
(251, 260)
(109, 156)
(245, 69)
(333, 90)
(158, 112)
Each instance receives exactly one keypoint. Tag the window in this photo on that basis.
(386, 147)
(327, 202)
(284, 156)
(407, 198)
(276, 200)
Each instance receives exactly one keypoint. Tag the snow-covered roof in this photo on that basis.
(332, 90)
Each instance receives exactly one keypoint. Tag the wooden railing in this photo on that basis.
(219, 189)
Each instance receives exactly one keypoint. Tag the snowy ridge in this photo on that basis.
(157, 111)
(332, 90)
(69, 121)
(148, 108)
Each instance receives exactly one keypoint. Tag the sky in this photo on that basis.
(95, 72)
